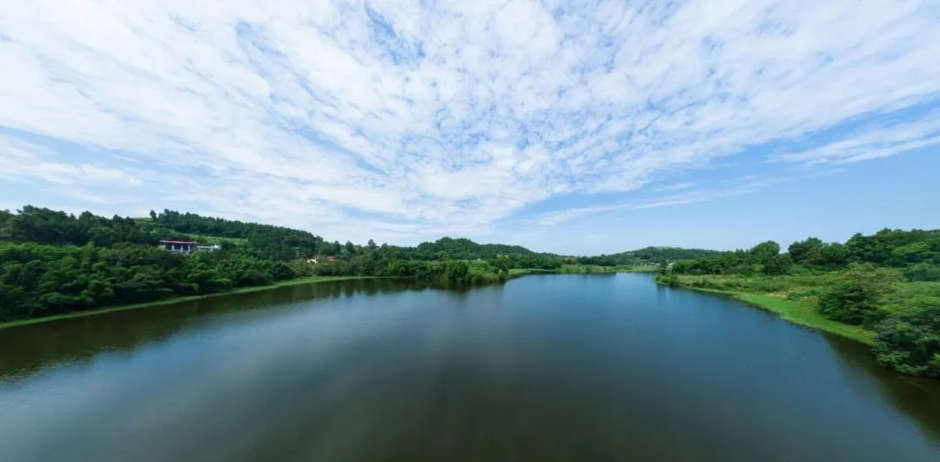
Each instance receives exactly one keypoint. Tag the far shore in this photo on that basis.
(568, 269)
(170, 301)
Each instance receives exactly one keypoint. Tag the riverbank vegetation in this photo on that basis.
(53, 263)
(883, 289)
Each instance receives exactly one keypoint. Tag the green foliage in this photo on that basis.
(274, 242)
(778, 264)
(841, 286)
(910, 342)
(922, 272)
(41, 280)
(814, 252)
(764, 252)
(646, 256)
(762, 258)
(856, 297)
(464, 249)
(667, 279)
(54, 263)
(895, 247)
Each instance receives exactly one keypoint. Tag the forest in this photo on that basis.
(52, 262)
(646, 256)
(887, 285)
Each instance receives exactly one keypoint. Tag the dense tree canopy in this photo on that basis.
(855, 298)
(910, 342)
(41, 280)
(646, 256)
(52, 262)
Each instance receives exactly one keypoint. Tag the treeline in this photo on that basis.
(917, 252)
(42, 280)
(646, 256)
(888, 282)
(52, 262)
(45, 226)
(463, 249)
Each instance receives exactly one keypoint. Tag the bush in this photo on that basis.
(855, 297)
(667, 279)
(910, 342)
(779, 265)
(922, 272)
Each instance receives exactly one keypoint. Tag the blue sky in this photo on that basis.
(573, 127)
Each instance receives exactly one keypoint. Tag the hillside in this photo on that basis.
(53, 263)
(647, 256)
(459, 249)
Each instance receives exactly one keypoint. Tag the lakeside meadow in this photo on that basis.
(882, 290)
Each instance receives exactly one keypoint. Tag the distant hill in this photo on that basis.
(463, 249)
(658, 254)
(647, 256)
(45, 226)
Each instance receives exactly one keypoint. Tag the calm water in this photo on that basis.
(543, 368)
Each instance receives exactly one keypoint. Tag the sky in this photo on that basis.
(571, 127)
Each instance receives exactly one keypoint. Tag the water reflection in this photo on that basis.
(607, 367)
(917, 397)
(27, 349)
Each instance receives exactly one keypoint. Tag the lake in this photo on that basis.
(543, 368)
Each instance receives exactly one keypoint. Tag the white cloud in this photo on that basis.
(872, 143)
(449, 117)
(744, 186)
(20, 159)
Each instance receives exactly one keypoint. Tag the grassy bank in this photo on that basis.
(793, 298)
(802, 313)
(170, 301)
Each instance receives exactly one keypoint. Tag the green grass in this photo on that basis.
(805, 314)
(793, 298)
(170, 301)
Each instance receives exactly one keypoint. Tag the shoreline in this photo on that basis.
(798, 313)
(170, 301)
(582, 269)
(290, 282)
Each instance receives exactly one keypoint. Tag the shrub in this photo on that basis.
(922, 272)
(910, 342)
(667, 279)
(854, 298)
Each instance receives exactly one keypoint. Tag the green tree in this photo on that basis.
(910, 342)
(806, 251)
(779, 265)
(923, 272)
(855, 297)
(762, 253)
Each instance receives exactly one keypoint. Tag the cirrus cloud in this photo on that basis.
(443, 117)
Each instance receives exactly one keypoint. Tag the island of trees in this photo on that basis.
(882, 289)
